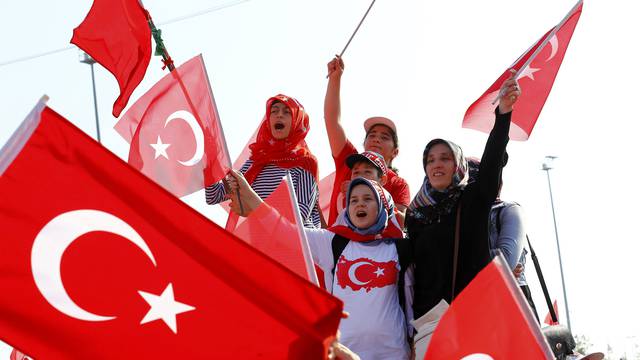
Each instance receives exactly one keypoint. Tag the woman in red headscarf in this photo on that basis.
(280, 148)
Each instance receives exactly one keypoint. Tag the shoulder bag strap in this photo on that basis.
(456, 245)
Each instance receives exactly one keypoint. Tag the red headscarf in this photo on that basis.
(286, 153)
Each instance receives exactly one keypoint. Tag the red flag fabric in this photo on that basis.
(547, 319)
(104, 264)
(535, 80)
(274, 229)
(490, 319)
(325, 187)
(116, 34)
(175, 132)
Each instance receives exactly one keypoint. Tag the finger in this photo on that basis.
(510, 82)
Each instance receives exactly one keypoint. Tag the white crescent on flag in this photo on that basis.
(188, 118)
(51, 243)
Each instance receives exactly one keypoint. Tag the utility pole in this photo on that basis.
(546, 167)
(87, 59)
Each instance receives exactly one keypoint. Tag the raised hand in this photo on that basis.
(244, 194)
(509, 93)
(335, 67)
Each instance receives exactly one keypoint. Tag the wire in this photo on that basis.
(171, 21)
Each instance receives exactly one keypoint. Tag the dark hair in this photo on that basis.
(378, 171)
(394, 137)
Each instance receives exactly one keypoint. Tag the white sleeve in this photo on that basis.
(408, 299)
(320, 245)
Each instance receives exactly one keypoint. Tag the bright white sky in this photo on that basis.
(421, 63)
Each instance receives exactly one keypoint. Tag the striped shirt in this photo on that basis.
(268, 180)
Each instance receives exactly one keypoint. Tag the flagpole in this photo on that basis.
(306, 251)
(548, 38)
(224, 138)
(161, 49)
(357, 28)
(544, 43)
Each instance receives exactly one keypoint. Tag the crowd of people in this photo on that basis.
(416, 251)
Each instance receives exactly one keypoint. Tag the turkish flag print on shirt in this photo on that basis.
(535, 82)
(489, 319)
(364, 273)
(175, 133)
(101, 263)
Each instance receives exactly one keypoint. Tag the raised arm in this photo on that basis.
(337, 136)
(491, 163)
(319, 239)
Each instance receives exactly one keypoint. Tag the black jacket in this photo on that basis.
(432, 244)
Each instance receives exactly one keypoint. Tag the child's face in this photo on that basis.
(363, 207)
(366, 170)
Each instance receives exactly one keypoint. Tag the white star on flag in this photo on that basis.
(379, 272)
(528, 72)
(164, 307)
(160, 148)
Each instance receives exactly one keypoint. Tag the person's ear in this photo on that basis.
(383, 180)
(395, 152)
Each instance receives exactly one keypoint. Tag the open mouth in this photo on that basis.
(278, 126)
(361, 214)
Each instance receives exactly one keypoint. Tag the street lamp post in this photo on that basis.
(86, 59)
(546, 167)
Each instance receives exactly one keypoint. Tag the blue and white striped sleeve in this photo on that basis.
(216, 193)
(306, 190)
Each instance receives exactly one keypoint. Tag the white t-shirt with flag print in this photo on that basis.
(366, 280)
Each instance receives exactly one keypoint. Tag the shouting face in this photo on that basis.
(280, 120)
(362, 207)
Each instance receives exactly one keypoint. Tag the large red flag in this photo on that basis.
(101, 263)
(116, 34)
(175, 132)
(537, 71)
(490, 319)
(275, 229)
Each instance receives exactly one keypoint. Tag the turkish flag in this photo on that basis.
(116, 34)
(101, 263)
(535, 80)
(547, 319)
(364, 273)
(275, 228)
(175, 133)
(489, 319)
